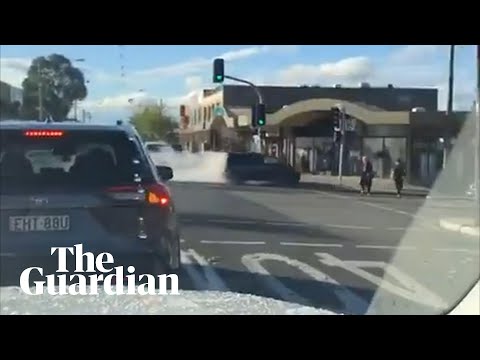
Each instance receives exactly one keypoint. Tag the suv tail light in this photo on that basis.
(155, 194)
(43, 133)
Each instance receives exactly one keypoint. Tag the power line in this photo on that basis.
(121, 49)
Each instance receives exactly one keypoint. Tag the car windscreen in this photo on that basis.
(68, 160)
(177, 147)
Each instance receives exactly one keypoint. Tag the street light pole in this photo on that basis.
(40, 92)
(40, 101)
(451, 80)
(451, 71)
(477, 134)
(75, 102)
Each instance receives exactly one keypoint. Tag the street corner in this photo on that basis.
(462, 226)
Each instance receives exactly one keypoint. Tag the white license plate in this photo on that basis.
(39, 223)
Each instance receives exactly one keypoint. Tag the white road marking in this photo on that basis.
(233, 242)
(310, 244)
(219, 221)
(214, 281)
(385, 247)
(352, 303)
(277, 223)
(416, 292)
(351, 227)
(407, 229)
(334, 195)
(469, 251)
(381, 207)
(197, 279)
(386, 208)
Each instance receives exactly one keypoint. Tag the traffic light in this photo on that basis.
(258, 115)
(218, 70)
(336, 116)
(337, 136)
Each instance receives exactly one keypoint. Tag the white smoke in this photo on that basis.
(195, 167)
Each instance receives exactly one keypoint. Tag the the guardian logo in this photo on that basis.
(113, 280)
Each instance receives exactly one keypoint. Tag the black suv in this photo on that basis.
(242, 167)
(63, 184)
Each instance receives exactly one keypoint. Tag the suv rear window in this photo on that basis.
(75, 160)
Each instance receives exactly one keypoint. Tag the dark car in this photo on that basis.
(242, 167)
(177, 147)
(63, 184)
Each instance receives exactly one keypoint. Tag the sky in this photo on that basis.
(174, 73)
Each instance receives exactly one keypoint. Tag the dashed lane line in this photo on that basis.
(287, 224)
(233, 242)
(385, 247)
(472, 251)
(311, 245)
(350, 227)
(219, 221)
(469, 251)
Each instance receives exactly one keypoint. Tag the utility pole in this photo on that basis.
(451, 80)
(40, 92)
(40, 101)
(342, 143)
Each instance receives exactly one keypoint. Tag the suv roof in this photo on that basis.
(36, 125)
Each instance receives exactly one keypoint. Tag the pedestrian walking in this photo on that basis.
(399, 174)
(366, 178)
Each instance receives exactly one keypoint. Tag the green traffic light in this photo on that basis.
(261, 122)
(219, 78)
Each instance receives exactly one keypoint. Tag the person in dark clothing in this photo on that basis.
(399, 174)
(366, 176)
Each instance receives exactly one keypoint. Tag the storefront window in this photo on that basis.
(373, 149)
(353, 155)
(427, 159)
(395, 148)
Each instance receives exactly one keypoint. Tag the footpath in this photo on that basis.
(351, 184)
(466, 225)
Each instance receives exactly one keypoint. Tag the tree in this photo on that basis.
(61, 85)
(153, 122)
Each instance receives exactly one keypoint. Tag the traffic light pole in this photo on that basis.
(252, 85)
(259, 99)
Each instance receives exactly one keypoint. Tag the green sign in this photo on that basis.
(219, 111)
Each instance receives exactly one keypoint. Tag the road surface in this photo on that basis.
(346, 253)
